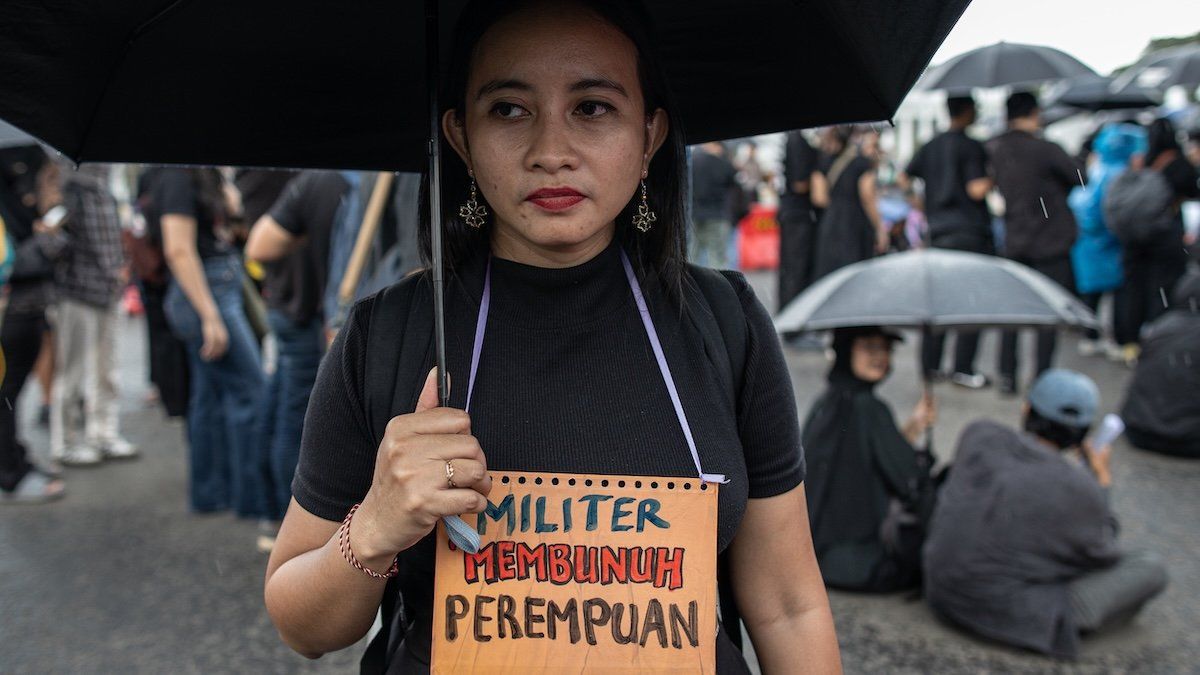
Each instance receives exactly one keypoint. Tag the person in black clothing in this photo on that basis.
(293, 240)
(851, 228)
(1022, 548)
(797, 218)
(28, 189)
(1153, 268)
(1034, 177)
(566, 377)
(954, 169)
(861, 468)
(714, 180)
(1162, 408)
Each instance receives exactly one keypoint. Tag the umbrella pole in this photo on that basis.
(435, 199)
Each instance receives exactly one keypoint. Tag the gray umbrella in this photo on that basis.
(11, 136)
(1163, 69)
(1096, 92)
(1003, 64)
(934, 288)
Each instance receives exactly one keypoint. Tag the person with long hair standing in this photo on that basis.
(204, 308)
(564, 140)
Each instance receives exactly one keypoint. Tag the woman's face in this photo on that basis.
(555, 132)
(871, 358)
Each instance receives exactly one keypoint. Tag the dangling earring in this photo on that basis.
(644, 219)
(473, 212)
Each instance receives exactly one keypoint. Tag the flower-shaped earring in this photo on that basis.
(644, 219)
(473, 212)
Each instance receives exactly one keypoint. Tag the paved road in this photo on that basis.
(118, 577)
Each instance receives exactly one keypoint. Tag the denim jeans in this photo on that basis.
(224, 398)
(281, 415)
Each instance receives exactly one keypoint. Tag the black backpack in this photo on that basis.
(1137, 207)
(401, 315)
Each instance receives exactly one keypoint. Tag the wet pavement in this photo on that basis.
(119, 577)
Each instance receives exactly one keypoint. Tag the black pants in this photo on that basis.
(21, 339)
(966, 342)
(1059, 270)
(797, 247)
(1151, 273)
(966, 346)
(168, 354)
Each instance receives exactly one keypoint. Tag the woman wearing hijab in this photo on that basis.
(570, 316)
(851, 228)
(868, 489)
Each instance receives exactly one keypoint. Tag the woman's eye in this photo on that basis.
(508, 111)
(593, 108)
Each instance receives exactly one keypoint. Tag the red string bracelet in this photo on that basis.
(344, 545)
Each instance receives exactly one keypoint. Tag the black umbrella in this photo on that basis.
(1004, 64)
(937, 289)
(1164, 69)
(1096, 92)
(309, 83)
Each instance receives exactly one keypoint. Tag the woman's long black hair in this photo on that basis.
(661, 250)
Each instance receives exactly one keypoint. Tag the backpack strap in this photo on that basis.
(721, 306)
(400, 317)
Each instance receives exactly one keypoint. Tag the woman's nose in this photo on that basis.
(550, 147)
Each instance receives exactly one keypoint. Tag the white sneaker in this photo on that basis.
(119, 449)
(81, 455)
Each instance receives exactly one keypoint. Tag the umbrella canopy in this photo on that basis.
(1004, 64)
(308, 83)
(1164, 69)
(11, 137)
(934, 288)
(1096, 92)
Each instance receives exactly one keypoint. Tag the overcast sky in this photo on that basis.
(1104, 34)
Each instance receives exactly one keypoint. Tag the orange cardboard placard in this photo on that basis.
(582, 573)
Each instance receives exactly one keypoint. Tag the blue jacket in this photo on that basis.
(1096, 255)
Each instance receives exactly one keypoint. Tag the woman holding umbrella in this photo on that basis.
(869, 490)
(567, 165)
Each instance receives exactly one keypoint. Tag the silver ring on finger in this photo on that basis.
(450, 475)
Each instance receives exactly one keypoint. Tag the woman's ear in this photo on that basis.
(656, 132)
(456, 134)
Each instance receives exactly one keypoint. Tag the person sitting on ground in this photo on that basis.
(1162, 408)
(1023, 547)
(866, 482)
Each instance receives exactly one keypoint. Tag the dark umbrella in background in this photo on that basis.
(1096, 93)
(1161, 70)
(1001, 65)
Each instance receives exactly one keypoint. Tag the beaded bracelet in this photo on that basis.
(344, 545)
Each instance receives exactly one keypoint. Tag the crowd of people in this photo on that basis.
(1015, 541)
(189, 247)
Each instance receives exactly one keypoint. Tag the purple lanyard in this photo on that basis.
(481, 328)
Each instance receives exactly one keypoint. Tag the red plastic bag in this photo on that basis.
(758, 239)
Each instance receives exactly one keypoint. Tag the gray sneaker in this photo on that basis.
(970, 380)
(119, 449)
(81, 455)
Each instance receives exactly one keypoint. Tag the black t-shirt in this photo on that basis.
(567, 382)
(799, 162)
(260, 188)
(947, 163)
(1034, 176)
(174, 191)
(296, 284)
(713, 182)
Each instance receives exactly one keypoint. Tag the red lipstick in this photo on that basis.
(555, 199)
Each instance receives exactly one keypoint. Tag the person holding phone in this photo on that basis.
(1023, 545)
